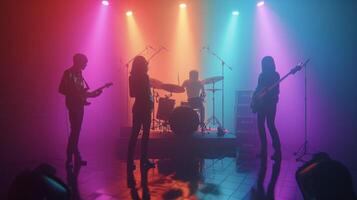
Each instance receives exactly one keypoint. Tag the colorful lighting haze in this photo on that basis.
(271, 39)
(110, 39)
(240, 43)
(185, 52)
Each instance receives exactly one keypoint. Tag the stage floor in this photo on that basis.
(219, 179)
(104, 178)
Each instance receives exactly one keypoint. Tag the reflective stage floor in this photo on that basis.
(211, 179)
(104, 178)
(221, 178)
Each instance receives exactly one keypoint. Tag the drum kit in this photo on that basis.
(166, 104)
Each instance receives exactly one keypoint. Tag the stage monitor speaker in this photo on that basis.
(325, 179)
(40, 183)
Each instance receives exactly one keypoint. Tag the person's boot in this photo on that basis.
(146, 194)
(147, 164)
(203, 127)
(276, 156)
(69, 162)
(79, 160)
(130, 180)
(130, 167)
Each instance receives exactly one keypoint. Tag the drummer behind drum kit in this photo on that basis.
(166, 104)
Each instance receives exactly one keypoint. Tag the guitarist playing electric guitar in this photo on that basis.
(75, 89)
(264, 102)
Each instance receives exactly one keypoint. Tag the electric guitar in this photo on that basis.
(84, 98)
(257, 99)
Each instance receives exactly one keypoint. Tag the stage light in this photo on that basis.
(260, 3)
(129, 13)
(235, 13)
(105, 2)
(183, 5)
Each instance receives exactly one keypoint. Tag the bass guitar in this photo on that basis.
(257, 99)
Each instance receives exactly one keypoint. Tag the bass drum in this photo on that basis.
(184, 120)
(166, 106)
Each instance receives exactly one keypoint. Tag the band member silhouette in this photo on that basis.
(267, 110)
(75, 89)
(195, 92)
(139, 87)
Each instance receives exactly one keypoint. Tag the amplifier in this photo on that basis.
(246, 124)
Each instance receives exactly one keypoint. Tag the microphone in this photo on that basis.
(150, 47)
(305, 63)
(164, 48)
(205, 47)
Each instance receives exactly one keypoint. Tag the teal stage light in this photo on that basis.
(235, 13)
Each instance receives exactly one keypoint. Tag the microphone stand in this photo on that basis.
(156, 53)
(223, 64)
(303, 149)
(155, 95)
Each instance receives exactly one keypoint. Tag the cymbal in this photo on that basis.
(213, 90)
(172, 88)
(156, 84)
(212, 79)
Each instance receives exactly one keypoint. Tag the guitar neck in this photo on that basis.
(277, 83)
(100, 88)
(104, 86)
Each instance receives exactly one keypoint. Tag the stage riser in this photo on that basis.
(163, 145)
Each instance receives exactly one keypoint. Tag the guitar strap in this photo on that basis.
(85, 82)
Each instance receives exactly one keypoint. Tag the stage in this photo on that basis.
(279, 75)
(208, 144)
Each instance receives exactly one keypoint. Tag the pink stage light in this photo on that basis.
(260, 3)
(105, 2)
